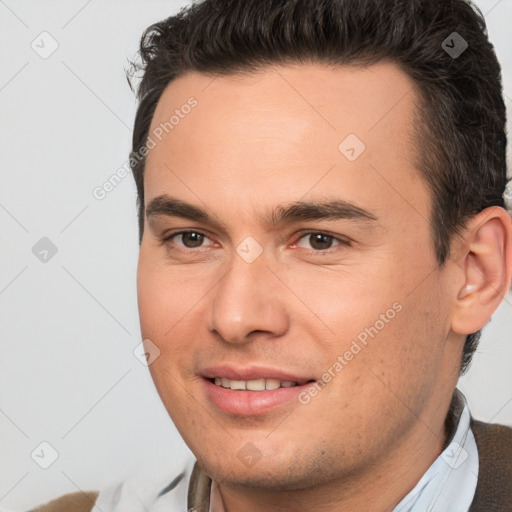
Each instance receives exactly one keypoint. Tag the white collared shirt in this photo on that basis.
(449, 484)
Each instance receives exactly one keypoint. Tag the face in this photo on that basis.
(287, 273)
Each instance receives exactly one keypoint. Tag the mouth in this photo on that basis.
(252, 392)
(256, 384)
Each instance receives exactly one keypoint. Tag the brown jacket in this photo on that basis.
(493, 492)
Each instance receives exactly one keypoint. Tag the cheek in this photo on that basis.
(343, 304)
(407, 351)
(172, 308)
(166, 296)
(376, 321)
(163, 307)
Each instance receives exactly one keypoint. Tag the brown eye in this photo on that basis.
(188, 240)
(320, 241)
(191, 239)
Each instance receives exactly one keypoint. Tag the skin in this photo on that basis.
(252, 143)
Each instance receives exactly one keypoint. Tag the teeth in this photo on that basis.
(272, 384)
(238, 384)
(254, 385)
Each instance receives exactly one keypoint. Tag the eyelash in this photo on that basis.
(341, 242)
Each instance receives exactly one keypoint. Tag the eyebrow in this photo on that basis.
(165, 205)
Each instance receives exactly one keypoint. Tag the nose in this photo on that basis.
(249, 299)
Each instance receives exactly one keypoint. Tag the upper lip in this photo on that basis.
(233, 372)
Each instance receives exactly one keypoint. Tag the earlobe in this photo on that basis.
(486, 267)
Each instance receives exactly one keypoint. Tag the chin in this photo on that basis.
(272, 474)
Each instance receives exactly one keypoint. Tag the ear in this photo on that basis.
(485, 259)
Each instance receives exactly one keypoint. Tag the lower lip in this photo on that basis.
(251, 403)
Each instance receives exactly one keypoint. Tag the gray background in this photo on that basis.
(69, 325)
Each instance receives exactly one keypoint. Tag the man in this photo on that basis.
(323, 236)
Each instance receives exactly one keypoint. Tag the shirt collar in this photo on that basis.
(216, 501)
(449, 484)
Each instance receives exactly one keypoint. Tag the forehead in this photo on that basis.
(286, 131)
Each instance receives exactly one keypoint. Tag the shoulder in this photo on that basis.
(76, 501)
(494, 488)
(494, 442)
(165, 484)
